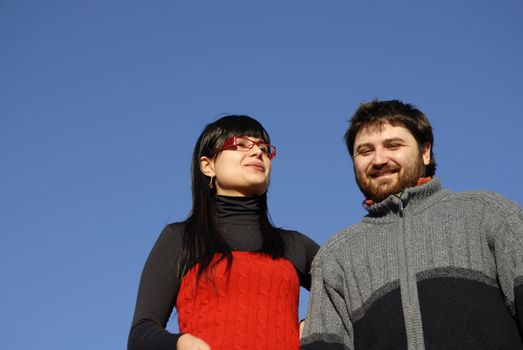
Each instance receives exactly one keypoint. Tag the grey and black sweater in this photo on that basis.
(426, 269)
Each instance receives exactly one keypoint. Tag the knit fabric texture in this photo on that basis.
(253, 307)
(426, 269)
(238, 218)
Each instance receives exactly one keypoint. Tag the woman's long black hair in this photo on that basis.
(203, 242)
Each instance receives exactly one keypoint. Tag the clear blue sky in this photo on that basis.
(101, 103)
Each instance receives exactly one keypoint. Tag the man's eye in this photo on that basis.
(393, 145)
(365, 151)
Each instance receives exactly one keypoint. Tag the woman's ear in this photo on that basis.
(207, 166)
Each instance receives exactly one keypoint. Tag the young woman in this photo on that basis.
(233, 277)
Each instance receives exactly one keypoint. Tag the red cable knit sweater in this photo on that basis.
(255, 307)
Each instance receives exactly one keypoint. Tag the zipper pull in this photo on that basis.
(401, 208)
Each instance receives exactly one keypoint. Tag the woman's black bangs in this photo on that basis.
(247, 127)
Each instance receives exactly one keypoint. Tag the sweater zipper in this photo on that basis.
(409, 312)
(407, 267)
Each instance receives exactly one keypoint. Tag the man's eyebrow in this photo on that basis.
(393, 139)
(386, 141)
(362, 145)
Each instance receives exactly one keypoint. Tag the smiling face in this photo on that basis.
(387, 160)
(239, 172)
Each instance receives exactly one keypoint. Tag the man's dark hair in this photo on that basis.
(396, 113)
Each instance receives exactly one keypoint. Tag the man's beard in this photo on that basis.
(407, 176)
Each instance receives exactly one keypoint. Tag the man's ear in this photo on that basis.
(207, 166)
(425, 153)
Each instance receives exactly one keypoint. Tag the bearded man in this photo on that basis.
(427, 268)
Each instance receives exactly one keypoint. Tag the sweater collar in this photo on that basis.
(425, 188)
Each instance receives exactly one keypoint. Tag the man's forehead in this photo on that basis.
(380, 127)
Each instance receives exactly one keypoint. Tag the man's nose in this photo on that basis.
(380, 158)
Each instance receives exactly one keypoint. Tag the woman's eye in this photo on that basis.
(242, 143)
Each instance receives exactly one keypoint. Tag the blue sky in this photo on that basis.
(102, 101)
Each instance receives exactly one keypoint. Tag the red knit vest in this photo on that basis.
(255, 307)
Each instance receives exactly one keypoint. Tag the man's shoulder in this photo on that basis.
(340, 240)
(489, 199)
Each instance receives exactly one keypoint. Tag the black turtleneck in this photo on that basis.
(238, 220)
(244, 208)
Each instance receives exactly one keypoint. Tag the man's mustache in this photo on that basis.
(375, 171)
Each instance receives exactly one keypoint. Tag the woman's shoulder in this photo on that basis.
(300, 249)
(294, 237)
(172, 233)
(175, 227)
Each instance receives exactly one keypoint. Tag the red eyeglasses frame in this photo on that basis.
(231, 142)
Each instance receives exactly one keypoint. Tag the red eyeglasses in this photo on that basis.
(244, 144)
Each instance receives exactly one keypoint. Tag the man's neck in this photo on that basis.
(421, 181)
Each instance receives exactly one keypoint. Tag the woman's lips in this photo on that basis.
(257, 166)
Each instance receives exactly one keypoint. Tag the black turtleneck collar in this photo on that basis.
(239, 209)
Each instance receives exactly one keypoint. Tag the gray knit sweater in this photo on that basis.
(426, 269)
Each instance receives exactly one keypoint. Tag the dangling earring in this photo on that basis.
(211, 185)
